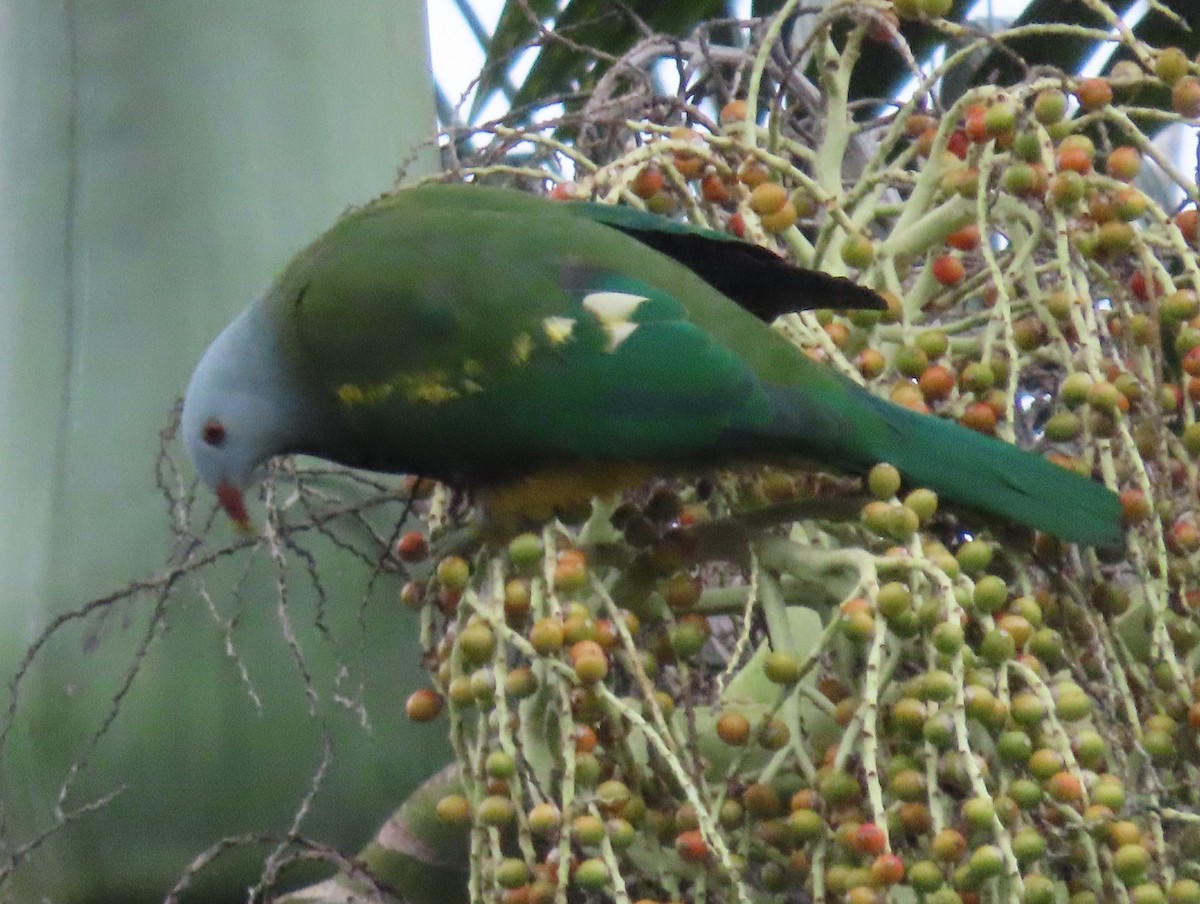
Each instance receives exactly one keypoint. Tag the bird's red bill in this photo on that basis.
(231, 500)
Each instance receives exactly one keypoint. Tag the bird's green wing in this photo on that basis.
(755, 277)
(476, 343)
(474, 335)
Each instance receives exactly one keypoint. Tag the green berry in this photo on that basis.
(1184, 891)
(1040, 889)
(500, 765)
(495, 810)
(477, 642)
(525, 550)
(591, 874)
(991, 593)
(986, 861)
(948, 638)
(974, 556)
(453, 572)
(1050, 106)
(1014, 746)
(781, 667)
(512, 873)
(997, 646)
(1130, 863)
(884, 481)
(893, 600)
(1028, 845)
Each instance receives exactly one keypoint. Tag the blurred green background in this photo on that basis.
(160, 162)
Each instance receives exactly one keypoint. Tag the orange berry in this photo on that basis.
(585, 739)
(887, 869)
(733, 728)
(648, 182)
(1094, 93)
(975, 125)
(1188, 222)
(768, 197)
(780, 219)
(1073, 158)
(870, 363)
(1134, 506)
(918, 124)
(714, 189)
(1065, 787)
(734, 111)
(980, 417)
(936, 383)
(948, 270)
(925, 141)
(1185, 97)
(1123, 163)
(966, 238)
(753, 173)
(423, 705)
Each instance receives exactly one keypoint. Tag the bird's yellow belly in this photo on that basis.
(545, 494)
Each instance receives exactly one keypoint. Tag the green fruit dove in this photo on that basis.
(542, 352)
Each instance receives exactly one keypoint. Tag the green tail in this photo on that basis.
(842, 424)
(993, 476)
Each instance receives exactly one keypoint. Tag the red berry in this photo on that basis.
(958, 144)
(948, 269)
(964, 239)
(690, 846)
(412, 547)
(1142, 289)
(869, 839)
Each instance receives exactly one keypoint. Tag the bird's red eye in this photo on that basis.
(214, 433)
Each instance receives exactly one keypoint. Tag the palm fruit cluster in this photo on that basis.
(731, 691)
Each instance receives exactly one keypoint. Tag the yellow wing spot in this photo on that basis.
(522, 348)
(351, 394)
(613, 307)
(558, 329)
(618, 333)
(428, 387)
(472, 368)
(378, 392)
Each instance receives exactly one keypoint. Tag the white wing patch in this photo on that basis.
(618, 333)
(613, 307)
(613, 310)
(558, 329)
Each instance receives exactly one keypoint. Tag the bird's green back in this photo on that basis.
(423, 309)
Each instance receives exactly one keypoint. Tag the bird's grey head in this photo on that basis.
(241, 408)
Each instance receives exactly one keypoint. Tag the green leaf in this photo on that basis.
(600, 25)
(514, 31)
